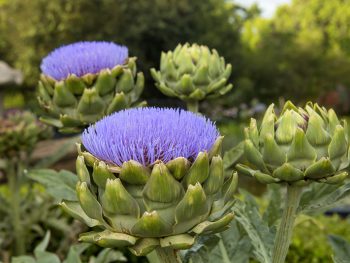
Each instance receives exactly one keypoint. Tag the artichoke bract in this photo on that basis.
(299, 146)
(19, 133)
(151, 178)
(192, 73)
(82, 82)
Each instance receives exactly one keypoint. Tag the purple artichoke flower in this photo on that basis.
(146, 135)
(82, 58)
(150, 175)
(85, 81)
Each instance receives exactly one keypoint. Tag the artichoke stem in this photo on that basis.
(13, 178)
(285, 230)
(192, 105)
(168, 255)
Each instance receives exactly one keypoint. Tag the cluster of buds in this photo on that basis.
(299, 146)
(192, 73)
(84, 81)
(19, 133)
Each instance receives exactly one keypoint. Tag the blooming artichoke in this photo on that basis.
(151, 178)
(300, 145)
(84, 81)
(192, 73)
(19, 132)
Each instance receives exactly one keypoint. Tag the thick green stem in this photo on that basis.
(13, 178)
(168, 255)
(285, 230)
(192, 105)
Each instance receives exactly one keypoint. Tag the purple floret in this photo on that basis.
(81, 58)
(146, 135)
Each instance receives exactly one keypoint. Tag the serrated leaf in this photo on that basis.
(261, 236)
(273, 211)
(341, 249)
(320, 197)
(60, 185)
(233, 155)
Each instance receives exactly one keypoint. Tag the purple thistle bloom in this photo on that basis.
(81, 58)
(146, 135)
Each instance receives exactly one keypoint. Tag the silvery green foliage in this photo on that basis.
(341, 249)
(60, 185)
(251, 234)
(43, 256)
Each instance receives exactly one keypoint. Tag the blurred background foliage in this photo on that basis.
(301, 53)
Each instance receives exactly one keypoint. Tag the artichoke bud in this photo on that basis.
(82, 171)
(88, 202)
(192, 73)
(178, 167)
(117, 201)
(62, 97)
(199, 170)
(133, 172)
(101, 174)
(299, 146)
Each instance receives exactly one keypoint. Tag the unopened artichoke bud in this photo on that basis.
(20, 131)
(85, 81)
(299, 146)
(192, 73)
(156, 180)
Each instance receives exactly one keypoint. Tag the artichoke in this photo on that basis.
(85, 81)
(192, 73)
(162, 193)
(299, 146)
(19, 133)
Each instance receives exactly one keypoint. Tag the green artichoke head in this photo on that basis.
(20, 131)
(192, 73)
(75, 102)
(162, 204)
(299, 146)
